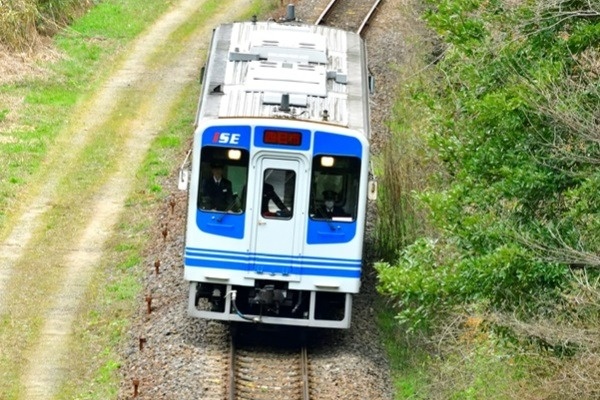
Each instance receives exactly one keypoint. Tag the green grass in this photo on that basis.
(460, 363)
(406, 359)
(118, 20)
(104, 324)
(89, 43)
(466, 359)
(44, 112)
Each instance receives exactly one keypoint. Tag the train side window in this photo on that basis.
(278, 192)
(334, 188)
(223, 175)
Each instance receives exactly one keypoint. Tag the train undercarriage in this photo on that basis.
(270, 302)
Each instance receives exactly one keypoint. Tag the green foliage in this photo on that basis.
(511, 124)
(455, 22)
(585, 35)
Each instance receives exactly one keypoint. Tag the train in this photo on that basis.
(280, 175)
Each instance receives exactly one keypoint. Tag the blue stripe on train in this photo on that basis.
(275, 269)
(266, 263)
(263, 257)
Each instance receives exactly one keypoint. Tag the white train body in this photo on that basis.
(286, 105)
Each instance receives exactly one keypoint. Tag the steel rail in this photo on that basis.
(326, 11)
(305, 376)
(368, 17)
(323, 18)
(232, 388)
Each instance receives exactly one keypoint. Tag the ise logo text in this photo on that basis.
(226, 138)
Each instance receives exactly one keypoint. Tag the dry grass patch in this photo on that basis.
(17, 23)
(19, 66)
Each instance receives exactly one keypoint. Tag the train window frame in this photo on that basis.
(235, 163)
(340, 174)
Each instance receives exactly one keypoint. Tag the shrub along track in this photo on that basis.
(47, 260)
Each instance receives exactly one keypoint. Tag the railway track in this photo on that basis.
(259, 372)
(184, 358)
(350, 15)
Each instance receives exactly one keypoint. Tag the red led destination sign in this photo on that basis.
(282, 138)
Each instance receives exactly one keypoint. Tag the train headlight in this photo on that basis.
(327, 161)
(234, 154)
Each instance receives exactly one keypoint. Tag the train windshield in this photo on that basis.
(334, 187)
(223, 178)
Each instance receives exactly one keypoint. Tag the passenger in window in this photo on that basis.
(328, 209)
(217, 189)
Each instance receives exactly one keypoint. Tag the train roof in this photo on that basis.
(286, 70)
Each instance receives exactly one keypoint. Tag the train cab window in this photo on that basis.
(278, 192)
(223, 175)
(334, 188)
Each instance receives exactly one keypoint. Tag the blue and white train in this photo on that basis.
(284, 116)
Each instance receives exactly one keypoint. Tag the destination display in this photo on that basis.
(282, 138)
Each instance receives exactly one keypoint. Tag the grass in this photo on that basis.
(406, 359)
(104, 324)
(89, 43)
(43, 114)
(403, 166)
(464, 361)
(201, 17)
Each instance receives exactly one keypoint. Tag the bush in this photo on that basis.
(509, 118)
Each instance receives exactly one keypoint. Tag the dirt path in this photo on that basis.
(161, 82)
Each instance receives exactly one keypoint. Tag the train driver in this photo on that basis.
(328, 209)
(217, 189)
(268, 195)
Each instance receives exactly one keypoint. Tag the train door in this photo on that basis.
(279, 216)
